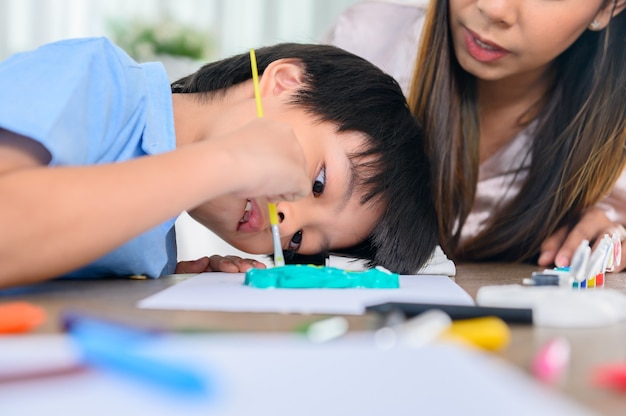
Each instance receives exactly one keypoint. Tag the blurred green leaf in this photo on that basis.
(145, 40)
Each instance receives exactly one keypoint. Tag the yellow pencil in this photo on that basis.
(279, 260)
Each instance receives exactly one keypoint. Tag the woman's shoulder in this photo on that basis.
(388, 6)
(378, 17)
(385, 33)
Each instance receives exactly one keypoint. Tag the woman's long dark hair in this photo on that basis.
(578, 147)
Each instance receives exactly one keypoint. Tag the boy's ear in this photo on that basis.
(283, 75)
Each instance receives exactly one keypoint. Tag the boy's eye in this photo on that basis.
(320, 182)
(294, 243)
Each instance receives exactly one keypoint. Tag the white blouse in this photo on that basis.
(387, 34)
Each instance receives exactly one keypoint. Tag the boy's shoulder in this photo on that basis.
(91, 46)
(87, 53)
(81, 43)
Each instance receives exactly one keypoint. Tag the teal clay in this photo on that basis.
(312, 277)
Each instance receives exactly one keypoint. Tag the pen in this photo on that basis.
(488, 332)
(279, 260)
(17, 317)
(550, 278)
(612, 375)
(617, 249)
(607, 250)
(509, 315)
(414, 332)
(552, 360)
(326, 329)
(607, 265)
(596, 264)
(116, 347)
(580, 260)
(424, 328)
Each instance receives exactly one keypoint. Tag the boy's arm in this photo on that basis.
(56, 219)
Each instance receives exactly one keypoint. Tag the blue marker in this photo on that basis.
(113, 347)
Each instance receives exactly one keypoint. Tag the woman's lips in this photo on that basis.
(252, 219)
(482, 50)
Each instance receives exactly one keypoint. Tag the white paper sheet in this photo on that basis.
(283, 375)
(226, 292)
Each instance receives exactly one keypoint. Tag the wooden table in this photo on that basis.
(116, 299)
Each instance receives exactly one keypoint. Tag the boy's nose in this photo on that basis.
(288, 218)
(299, 215)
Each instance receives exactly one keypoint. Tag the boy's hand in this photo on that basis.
(559, 248)
(228, 264)
(268, 161)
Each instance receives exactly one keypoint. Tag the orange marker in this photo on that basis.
(18, 317)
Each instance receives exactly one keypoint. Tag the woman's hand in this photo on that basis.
(228, 264)
(559, 248)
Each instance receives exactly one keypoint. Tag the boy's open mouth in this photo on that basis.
(246, 213)
(252, 219)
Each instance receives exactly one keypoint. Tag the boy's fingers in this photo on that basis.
(222, 264)
(216, 263)
(233, 264)
(192, 266)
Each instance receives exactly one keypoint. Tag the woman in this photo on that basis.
(523, 105)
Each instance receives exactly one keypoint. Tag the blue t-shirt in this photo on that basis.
(89, 103)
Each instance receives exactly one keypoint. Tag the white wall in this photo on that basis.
(236, 25)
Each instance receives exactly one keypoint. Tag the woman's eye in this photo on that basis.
(320, 182)
(294, 243)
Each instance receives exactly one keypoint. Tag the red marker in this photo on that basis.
(611, 375)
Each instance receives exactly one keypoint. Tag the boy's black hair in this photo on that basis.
(355, 95)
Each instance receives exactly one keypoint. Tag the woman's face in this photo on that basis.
(498, 39)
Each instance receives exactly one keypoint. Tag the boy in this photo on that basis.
(98, 156)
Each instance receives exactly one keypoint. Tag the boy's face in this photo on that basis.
(331, 217)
